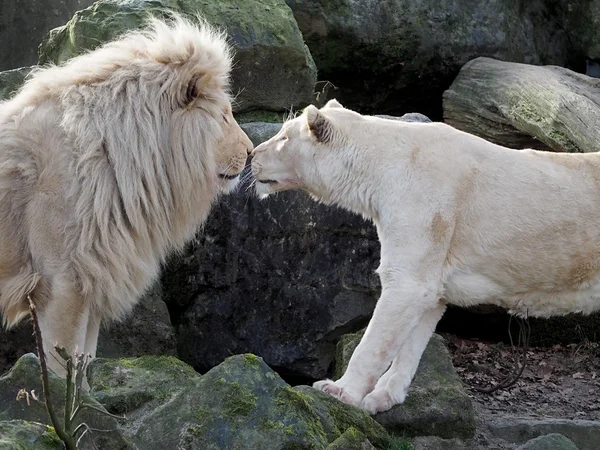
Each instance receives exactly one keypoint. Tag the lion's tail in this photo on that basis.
(14, 305)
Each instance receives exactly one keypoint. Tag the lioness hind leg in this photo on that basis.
(393, 385)
(63, 321)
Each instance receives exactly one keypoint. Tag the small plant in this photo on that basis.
(66, 429)
(322, 94)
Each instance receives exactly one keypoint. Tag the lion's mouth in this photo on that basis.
(228, 177)
(267, 181)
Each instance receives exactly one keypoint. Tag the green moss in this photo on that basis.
(50, 438)
(400, 444)
(251, 360)
(290, 401)
(238, 401)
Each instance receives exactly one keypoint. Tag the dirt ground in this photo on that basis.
(559, 382)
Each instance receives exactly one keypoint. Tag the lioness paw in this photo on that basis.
(339, 392)
(377, 401)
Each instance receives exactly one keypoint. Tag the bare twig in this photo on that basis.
(68, 440)
(523, 341)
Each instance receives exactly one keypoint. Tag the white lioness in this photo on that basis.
(107, 163)
(460, 221)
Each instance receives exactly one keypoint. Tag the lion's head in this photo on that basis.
(307, 152)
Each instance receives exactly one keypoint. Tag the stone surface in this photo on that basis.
(146, 331)
(23, 25)
(273, 68)
(581, 21)
(352, 439)
(26, 375)
(400, 55)
(239, 404)
(585, 434)
(23, 435)
(11, 81)
(549, 442)
(520, 105)
(436, 404)
(282, 278)
(259, 132)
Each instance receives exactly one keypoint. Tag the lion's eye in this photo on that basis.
(192, 91)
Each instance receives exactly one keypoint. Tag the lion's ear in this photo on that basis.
(333, 103)
(198, 87)
(318, 125)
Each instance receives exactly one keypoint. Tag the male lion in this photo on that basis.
(107, 163)
(460, 221)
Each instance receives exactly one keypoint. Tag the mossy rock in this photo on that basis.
(25, 374)
(11, 81)
(436, 404)
(24, 435)
(552, 441)
(352, 439)
(124, 385)
(526, 106)
(273, 68)
(239, 404)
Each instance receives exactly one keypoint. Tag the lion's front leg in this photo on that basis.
(396, 315)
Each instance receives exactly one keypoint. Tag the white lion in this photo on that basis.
(107, 163)
(460, 221)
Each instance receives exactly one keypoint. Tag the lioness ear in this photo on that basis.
(318, 125)
(333, 103)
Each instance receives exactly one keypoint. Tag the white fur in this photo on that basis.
(107, 164)
(460, 221)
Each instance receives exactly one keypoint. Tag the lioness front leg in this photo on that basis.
(398, 312)
(392, 387)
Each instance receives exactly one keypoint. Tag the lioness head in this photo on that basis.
(305, 153)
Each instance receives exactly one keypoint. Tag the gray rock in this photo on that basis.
(549, 442)
(585, 434)
(520, 106)
(23, 24)
(11, 81)
(240, 404)
(259, 132)
(273, 69)
(437, 443)
(26, 375)
(352, 439)
(581, 20)
(400, 55)
(408, 117)
(146, 331)
(24, 435)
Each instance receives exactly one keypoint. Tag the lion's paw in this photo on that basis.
(339, 392)
(378, 401)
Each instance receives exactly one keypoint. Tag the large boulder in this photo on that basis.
(437, 402)
(11, 81)
(26, 375)
(520, 105)
(24, 24)
(283, 278)
(581, 20)
(273, 68)
(400, 55)
(239, 404)
(24, 435)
